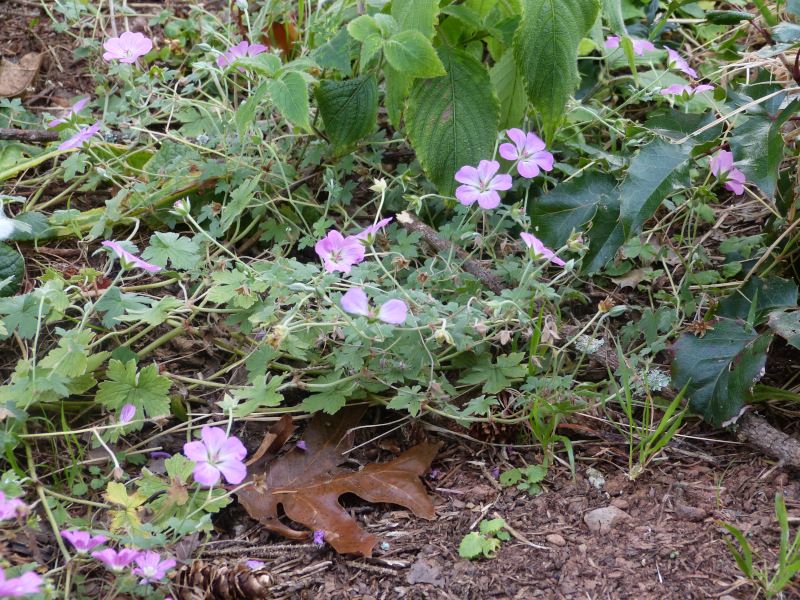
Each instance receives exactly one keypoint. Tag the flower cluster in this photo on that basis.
(149, 565)
(217, 454)
(722, 168)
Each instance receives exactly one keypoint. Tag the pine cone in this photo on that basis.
(213, 581)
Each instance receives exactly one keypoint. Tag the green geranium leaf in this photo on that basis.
(181, 252)
(145, 389)
(21, 314)
(114, 303)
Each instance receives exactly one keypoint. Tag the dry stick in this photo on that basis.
(750, 428)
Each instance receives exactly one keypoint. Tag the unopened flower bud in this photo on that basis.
(379, 186)
(443, 336)
(181, 208)
(576, 242)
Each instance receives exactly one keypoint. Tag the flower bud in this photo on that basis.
(379, 186)
(576, 242)
(181, 208)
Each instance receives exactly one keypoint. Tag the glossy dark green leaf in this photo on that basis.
(768, 294)
(719, 368)
(12, 267)
(659, 169)
(786, 323)
(677, 124)
(571, 205)
(606, 236)
(728, 17)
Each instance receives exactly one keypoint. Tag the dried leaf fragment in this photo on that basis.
(16, 78)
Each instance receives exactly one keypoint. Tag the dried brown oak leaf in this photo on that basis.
(308, 483)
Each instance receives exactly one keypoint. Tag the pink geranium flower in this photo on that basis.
(80, 138)
(340, 253)
(76, 108)
(639, 46)
(481, 184)
(539, 249)
(127, 47)
(722, 168)
(529, 150)
(11, 508)
(217, 454)
(393, 311)
(369, 233)
(83, 540)
(685, 91)
(675, 61)
(151, 567)
(128, 260)
(116, 561)
(22, 586)
(239, 51)
(128, 412)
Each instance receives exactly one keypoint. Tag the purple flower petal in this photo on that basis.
(319, 537)
(217, 454)
(355, 301)
(117, 561)
(127, 47)
(151, 567)
(128, 412)
(83, 540)
(22, 586)
(393, 312)
(128, 260)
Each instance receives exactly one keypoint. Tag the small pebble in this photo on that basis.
(556, 539)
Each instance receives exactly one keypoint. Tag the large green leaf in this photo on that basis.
(758, 147)
(349, 110)
(719, 368)
(546, 51)
(12, 270)
(246, 112)
(659, 169)
(570, 206)
(606, 235)
(412, 54)
(786, 323)
(612, 11)
(768, 294)
(397, 88)
(510, 90)
(452, 120)
(290, 95)
(416, 14)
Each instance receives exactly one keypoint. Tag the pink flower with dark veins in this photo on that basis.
(676, 61)
(80, 138)
(722, 168)
(481, 184)
(217, 454)
(127, 47)
(239, 51)
(639, 46)
(128, 260)
(393, 312)
(529, 151)
(76, 108)
(83, 541)
(685, 91)
(539, 249)
(151, 567)
(127, 413)
(339, 253)
(116, 561)
(12, 508)
(370, 232)
(20, 587)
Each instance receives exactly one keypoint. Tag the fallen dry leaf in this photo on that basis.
(16, 78)
(307, 484)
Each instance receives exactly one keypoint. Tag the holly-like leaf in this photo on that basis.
(307, 484)
(768, 294)
(659, 169)
(546, 51)
(719, 368)
(182, 252)
(349, 110)
(146, 389)
(452, 120)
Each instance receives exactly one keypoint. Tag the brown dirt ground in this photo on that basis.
(669, 546)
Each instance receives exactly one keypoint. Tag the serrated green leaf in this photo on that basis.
(21, 314)
(71, 356)
(491, 527)
(497, 375)
(467, 15)
(155, 314)
(397, 88)
(416, 14)
(612, 11)
(114, 303)
(452, 120)
(349, 110)
(546, 50)
(262, 394)
(264, 64)
(290, 95)
(371, 46)
(659, 169)
(239, 200)
(246, 111)
(335, 53)
(719, 368)
(145, 389)
(12, 269)
(363, 27)
(472, 545)
(75, 163)
(510, 89)
(180, 251)
(412, 54)
(408, 398)
(387, 24)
